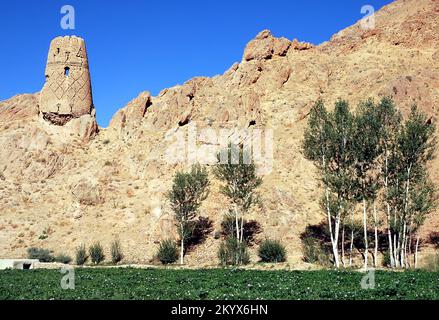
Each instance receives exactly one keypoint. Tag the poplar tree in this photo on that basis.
(415, 147)
(366, 141)
(390, 122)
(240, 181)
(188, 191)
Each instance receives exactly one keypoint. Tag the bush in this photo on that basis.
(251, 228)
(232, 252)
(116, 251)
(272, 251)
(43, 255)
(386, 259)
(81, 255)
(314, 252)
(96, 253)
(63, 258)
(168, 252)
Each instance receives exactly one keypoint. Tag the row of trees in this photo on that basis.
(374, 161)
(239, 183)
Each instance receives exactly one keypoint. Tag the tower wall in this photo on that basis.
(67, 90)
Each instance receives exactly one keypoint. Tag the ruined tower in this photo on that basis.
(67, 92)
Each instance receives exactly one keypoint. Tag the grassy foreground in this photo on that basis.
(122, 283)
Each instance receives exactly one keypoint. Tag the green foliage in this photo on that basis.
(43, 255)
(96, 252)
(238, 173)
(63, 258)
(233, 252)
(167, 252)
(386, 259)
(272, 251)
(81, 255)
(116, 252)
(189, 190)
(314, 252)
(316, 139)
(217, 284)
(370, 153)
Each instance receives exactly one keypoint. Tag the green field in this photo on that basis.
(122, 283)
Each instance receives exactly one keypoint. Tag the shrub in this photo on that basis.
(386, 259)
(314, 252)
(116, 251)
(96, 253)
(81, 255)
(251, 228)
(232, 252)
(43, 255)
(167, 252)
(272, 251)
(62, 258)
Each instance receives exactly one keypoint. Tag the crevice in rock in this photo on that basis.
(184, 122)
(147, 106)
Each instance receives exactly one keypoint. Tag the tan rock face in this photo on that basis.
(67, 92)
(264, 46)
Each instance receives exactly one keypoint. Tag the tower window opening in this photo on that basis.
(66, 71)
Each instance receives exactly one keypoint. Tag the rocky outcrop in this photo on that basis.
(265, 46)
(19, 108)
(132, 114)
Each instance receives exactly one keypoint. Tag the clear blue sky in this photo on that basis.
(138, 45)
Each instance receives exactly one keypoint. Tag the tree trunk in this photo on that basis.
(236, 223)
(406, 204)
(242, 228)
(416, 251)
(389, 230)
(331, 233)
(366, 248)
(342, 248)
(376, 234)
(395, 250)
(181, 244)
(402, 249)
(352, 238)
(389, 233)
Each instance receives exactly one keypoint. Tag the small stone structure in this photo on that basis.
(67, 92)
(21, 264)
